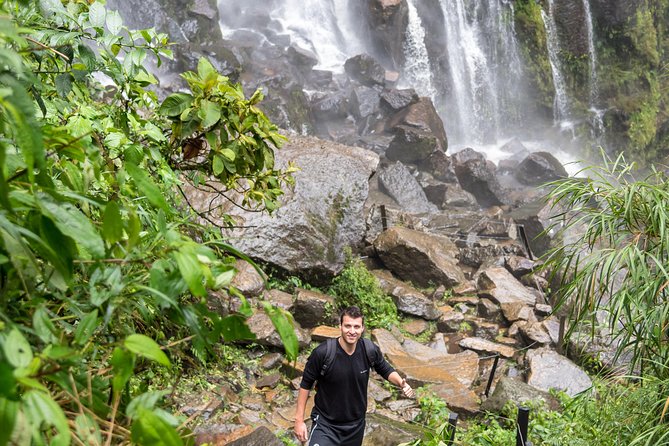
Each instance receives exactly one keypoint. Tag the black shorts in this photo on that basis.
(324, 433)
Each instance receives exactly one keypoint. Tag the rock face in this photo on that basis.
(418, 257)
(477, 177)
(321, 216)
(550, 370)
(388, 20)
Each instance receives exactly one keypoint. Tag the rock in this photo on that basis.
(280, 299)
(397, 182)
(550, 370)
(384, 431)
(485, 346)
(440, 166)
(450, 322)
(536, 333)
(509, 389)
(270, 360)
(499, 285)
(424, 119)
(262, 436)
(519, 266)
(539, 168)
(312, 308)
(476, 176)
(248, 280)
(324, 332)
(424, 259)
(363, 102)
(484, 329)
(393, 100)
(317, 219)
(514, 146)
(223, 434)
(488, 309)
(415, 326)
(365, 69)
(377, 392)
(270, 381)
(330, 105)
(543, 309)
(407, 299)
(261, 326)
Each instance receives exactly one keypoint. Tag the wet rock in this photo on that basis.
(477, 177)
(248, 280)
(411, 145)
(485, 346)
(317, 219)
(261, 436)
(509, 389)
(407, 299)
(324, 332)
(539, 168)
(519, 265)
(270, 381)
(440, 166)
(424, 259)
(261, 326)
(365, 69)
(421, 116)
(312, 308)
(270, 360)
(383, 431)
(387, 21)
(397, 182)
(363, 102)
(550, 370)
(499, 285)
(330, 105)
(393, 100)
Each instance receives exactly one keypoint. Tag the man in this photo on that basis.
(338, 417)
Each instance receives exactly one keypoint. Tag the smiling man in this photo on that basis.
(342, 371)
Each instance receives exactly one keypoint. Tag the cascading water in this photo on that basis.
(561, 111)
(417, 72)
(484, 70)
(596, 114)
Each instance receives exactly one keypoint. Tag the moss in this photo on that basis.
(644, 36)
(532, 36)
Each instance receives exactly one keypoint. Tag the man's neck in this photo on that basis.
(348, 348)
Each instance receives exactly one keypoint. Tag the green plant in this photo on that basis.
(355, 285)
(614, 259)
(101, 259)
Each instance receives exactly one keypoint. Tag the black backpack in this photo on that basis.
(331, 349)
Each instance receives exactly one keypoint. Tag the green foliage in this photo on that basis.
(644, 36)
(101, 262)
(615, 257)
(355, 285)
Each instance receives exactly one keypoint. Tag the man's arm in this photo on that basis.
(300, 427)
(400, 382)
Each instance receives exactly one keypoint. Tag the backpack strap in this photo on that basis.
(330, 351)
(370, 351)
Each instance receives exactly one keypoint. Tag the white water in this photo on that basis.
(596, 114)
(322, 26)
(417, 72)
(561, 112)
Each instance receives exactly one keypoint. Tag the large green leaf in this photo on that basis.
(148, 429)
(41, 408)
(191, 270)
(175, 104)
(43, 326)
(123, 363)
(17, 349)
(97, 15)
(73, 223)
(112, 224)
(8, 411)
(146, 186)
(86, 327)
(209, 113)
(143, 345)
(234, 328)
(283, 322)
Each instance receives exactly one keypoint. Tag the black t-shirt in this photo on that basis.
(341, 395)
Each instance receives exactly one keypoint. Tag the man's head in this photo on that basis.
(351, 324)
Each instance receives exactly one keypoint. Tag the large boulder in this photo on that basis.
(538, 168)
(397, 182)
(477, 176)
(318, 218)
(550, 370)
(365, 69)
(512, 296)
(509, 389)
(418, 131)
(408, 300)
(422, 258)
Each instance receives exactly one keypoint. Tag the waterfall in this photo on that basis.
(417, 72)
(561, 110)
(484, 70)
(322, 26)
(596, 114)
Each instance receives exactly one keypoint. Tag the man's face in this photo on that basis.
(351, 329)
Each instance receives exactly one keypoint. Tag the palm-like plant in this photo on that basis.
(614, 259)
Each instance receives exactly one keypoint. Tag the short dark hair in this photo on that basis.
(352, 312)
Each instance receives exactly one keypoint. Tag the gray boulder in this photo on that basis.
(398, 183)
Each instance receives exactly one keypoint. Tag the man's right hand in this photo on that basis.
(300, 430)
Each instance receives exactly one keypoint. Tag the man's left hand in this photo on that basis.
(407, 390)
